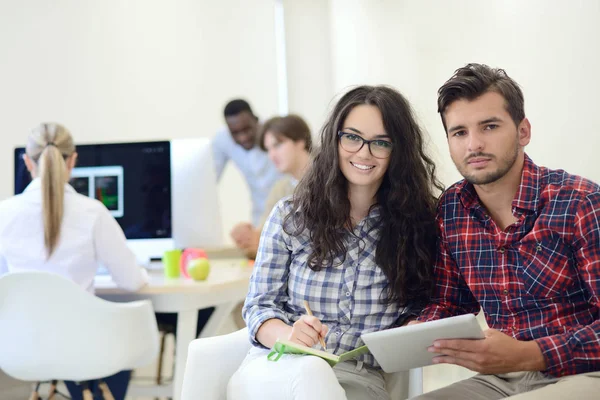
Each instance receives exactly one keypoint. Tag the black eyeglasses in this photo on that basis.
(352, 142)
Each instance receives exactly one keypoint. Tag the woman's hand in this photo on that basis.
(307, 331)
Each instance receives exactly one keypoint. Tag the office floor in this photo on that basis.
(11, 389)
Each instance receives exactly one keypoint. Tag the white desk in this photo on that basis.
(227, 285)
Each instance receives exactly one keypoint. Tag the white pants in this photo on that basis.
(303, 378)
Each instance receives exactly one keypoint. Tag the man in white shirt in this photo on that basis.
(238, 142)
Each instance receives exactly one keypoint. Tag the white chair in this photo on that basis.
(52, 329)
(212, 361)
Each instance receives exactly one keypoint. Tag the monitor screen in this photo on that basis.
(133, 181)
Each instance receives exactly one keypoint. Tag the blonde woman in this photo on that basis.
(50, 227)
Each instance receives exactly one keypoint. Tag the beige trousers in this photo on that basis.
(520, 386)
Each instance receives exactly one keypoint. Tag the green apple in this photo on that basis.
(198, 268)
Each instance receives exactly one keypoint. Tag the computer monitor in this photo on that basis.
(163, 194)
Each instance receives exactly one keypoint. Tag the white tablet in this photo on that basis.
(405, 347)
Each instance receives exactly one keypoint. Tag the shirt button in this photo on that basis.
(501, 250)
(348, 294)
(505, 292)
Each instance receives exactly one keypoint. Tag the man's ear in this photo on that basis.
(524, 131)
(31, 167)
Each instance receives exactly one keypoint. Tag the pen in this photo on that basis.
(309, 312)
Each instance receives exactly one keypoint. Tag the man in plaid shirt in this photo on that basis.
(520, 241)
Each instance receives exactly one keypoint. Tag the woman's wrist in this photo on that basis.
(271, 330)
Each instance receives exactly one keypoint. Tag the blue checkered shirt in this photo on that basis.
(346, 297)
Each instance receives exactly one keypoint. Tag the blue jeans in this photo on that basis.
(117, 384)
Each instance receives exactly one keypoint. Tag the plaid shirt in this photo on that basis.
(539, 279)
(346, 297)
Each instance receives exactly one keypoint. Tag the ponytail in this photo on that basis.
(49, 145)
(53, 174)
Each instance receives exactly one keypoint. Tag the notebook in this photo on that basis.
(282, 347)
(405, 347)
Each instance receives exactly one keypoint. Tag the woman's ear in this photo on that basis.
(71, 161)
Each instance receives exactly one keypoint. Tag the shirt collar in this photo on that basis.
(527, 196)
(374, 212)
(36, 184)
(372, 219)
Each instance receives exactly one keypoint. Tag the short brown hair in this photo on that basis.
(292, 127)
(474, 80)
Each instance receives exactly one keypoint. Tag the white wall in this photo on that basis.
(310, 84)
(134, 70)
(552, 48)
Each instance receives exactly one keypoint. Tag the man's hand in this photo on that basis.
(497, 353)
(241, 234)
(306, 331)
(251, 246)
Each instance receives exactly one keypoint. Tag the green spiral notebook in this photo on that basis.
(282, 347)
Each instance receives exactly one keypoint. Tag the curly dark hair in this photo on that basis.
(320, 205)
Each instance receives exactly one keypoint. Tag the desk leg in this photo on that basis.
(214, 323)
(186, 331)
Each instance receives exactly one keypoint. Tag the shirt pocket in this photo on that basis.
(300, 280)
(319, 288)
(547, 267)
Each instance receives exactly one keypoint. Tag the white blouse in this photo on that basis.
(89, 236)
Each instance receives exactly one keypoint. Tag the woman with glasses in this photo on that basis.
(356, 241)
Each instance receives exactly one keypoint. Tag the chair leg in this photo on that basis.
(52, 390)
(35, 394)
(86, 392)
(163, 336)
(106, 393)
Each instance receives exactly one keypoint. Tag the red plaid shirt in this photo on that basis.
(539, 279)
